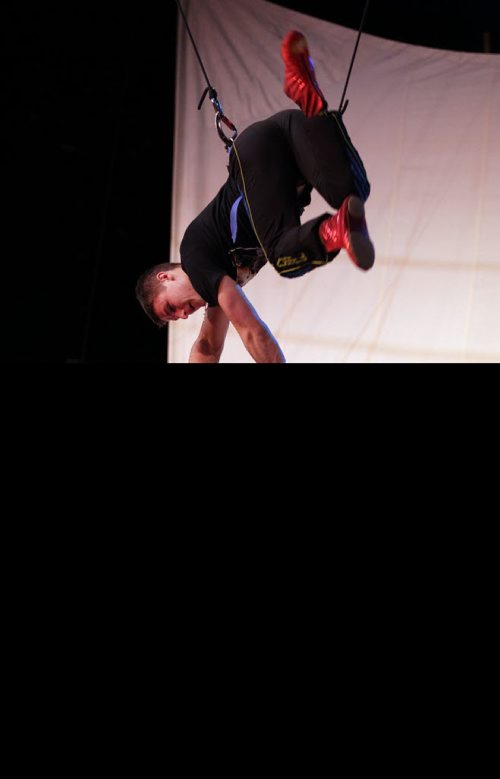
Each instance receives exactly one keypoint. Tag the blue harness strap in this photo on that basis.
(234, 218)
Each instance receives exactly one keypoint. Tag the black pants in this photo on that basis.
(276, 156)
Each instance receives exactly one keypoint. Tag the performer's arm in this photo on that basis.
(210, 342)
(256, 336)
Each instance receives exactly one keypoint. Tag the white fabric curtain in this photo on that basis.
(427, 125)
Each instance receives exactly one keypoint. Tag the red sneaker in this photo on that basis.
(300, 80)
(347, 230)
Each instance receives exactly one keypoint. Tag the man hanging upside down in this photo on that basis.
(274, 165)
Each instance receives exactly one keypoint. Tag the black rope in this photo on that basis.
(212, 94)
(210, 87)
(343, 106)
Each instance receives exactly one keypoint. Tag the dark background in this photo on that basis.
(88, 97)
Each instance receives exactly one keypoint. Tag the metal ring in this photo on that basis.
(221, 118)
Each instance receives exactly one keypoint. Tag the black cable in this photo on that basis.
(195, 46)
(342, 107)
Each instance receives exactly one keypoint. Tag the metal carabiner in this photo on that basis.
(219, 117)
(218, 120)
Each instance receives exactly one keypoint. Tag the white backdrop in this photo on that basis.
(427, 125)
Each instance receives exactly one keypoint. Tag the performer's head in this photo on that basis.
(166, 294)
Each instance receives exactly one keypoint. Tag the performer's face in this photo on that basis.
(175, 299)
